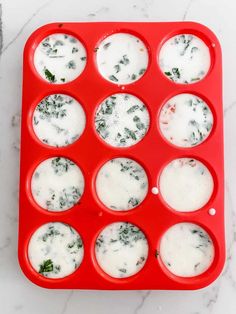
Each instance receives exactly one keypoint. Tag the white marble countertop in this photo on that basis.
(19, 19)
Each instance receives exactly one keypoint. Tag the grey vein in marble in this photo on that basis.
(187, 10)
(144, 296)
(99, 11)
(67, 301)
(4, 48)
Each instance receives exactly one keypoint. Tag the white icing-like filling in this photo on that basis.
(58, 120)
(186, 184)
(122, 58)
(57, 184)
(122, 120)
(55, 250)
(121, 250)
(186, 120)
(185, 59)
(186, 250)
(60, 58)
(121, 184)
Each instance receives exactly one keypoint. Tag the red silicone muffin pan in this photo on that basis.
(153, 152)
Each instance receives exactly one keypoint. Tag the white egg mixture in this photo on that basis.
(60, 58)
(186, 184)
(58, 120)
(122, 58)
(186, 250)
(121, 184)
(57, 184)
(185, 59)
(55, 250)
(186, 120)
(122, 120)
(121, 250)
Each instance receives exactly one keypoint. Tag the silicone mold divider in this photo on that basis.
(153, 216)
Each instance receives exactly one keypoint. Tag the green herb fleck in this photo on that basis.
(49, 76)
(46, 266)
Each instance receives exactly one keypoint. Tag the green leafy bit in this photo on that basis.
(61, 165)
(133, 201)
(142, 71)
(176, 72)
(74, 50)
(113, 78)
(49, 76)
(71, 65)
(124, 60)
(129, 233)
(132, 109)
(130, 134)
(123, 270)
(105, 46)
(46, 266)
(140, 261)
(117, 68)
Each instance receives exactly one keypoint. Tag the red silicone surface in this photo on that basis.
(153, 216)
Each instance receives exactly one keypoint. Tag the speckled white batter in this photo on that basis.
(55, 250)
(58, 120)
(122, 120)
(186, 250)
(121, 184)
(60, 58)
(121, 250)
(186, 120)
(122, 58)
(57, 184)
(185, 59)
(186, 184)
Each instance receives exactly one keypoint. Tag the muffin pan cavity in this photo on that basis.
(122, 58)
(186, 250)
(122, 176)
(121, 184)
(58, 120)
(122, 120)
(57, 184)
(185, 120)
(55, 250)
(186, 184)
(60, 58)
(185, 59)
(121, 250)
